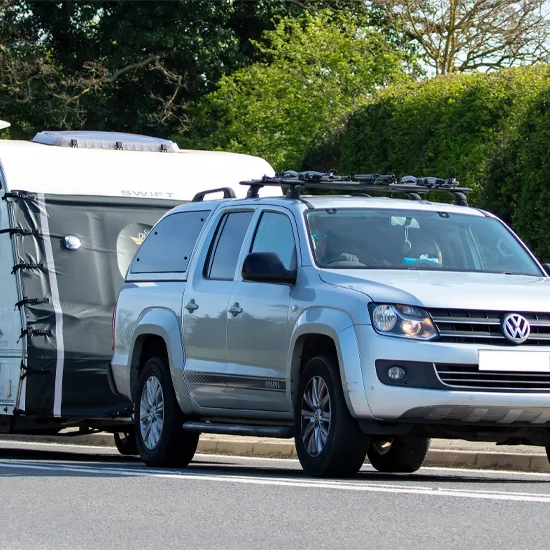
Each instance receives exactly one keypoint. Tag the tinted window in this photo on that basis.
(414, 239)
(168, 246)
(274, 234)
(227, 245)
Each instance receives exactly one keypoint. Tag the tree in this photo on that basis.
(40, 88)
(133, 66)
(466, 35)
(30, 83)
(319, 67)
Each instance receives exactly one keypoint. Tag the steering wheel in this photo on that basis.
(345, 263)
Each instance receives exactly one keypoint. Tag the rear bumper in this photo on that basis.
(112, 382)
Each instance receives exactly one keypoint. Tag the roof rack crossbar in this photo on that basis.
(412, 187)
(228, 193)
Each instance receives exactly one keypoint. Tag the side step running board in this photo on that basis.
(284, 432)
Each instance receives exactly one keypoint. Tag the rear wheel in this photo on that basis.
(328, 439)
(158, 419)
(126, 442)
(398, 455)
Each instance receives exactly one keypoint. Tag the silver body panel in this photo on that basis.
(246, 365)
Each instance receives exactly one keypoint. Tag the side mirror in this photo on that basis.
(546, 268)
(266, 267)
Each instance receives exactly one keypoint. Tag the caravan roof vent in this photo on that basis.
(106, 140)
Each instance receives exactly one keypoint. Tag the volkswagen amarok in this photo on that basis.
(360, 326)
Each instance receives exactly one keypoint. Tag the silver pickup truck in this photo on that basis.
(360, 326)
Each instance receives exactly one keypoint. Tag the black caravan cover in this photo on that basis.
(72, 254)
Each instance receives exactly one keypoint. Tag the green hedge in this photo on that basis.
(492, 129)
(531, 178)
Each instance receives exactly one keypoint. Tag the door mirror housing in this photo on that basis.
(266, 267)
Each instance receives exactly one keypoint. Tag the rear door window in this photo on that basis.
(227, 244)
(169, 245)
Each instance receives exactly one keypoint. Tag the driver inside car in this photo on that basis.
(326, 250)
(328, 247)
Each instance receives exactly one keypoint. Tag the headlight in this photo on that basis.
(402, 321)
(384, 318)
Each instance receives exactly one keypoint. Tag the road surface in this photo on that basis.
(60, 496)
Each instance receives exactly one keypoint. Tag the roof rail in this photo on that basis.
(410, 186)
(228, 193)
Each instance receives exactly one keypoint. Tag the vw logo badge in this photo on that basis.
(516, 328)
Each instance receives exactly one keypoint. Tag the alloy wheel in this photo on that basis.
(315, 415)
(151, 412)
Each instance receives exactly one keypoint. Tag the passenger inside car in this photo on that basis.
(423, 248)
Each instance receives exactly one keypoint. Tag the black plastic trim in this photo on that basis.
(236, 381)
(424, 375)
(111, 381)
(228, 193)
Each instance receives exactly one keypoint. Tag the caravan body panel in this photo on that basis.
(79, 216)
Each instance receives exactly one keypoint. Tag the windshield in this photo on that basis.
(359, 238)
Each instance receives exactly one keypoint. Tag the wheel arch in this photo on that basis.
(158, 334)
(324, 330)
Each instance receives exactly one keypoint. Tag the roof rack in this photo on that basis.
(410, 186)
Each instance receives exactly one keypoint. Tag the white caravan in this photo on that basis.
(74, 208)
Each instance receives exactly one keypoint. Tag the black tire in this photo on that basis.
(126, 442)
(346, 445)
(174, 448)
(398, 455)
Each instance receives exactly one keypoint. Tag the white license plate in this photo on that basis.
(514, 361)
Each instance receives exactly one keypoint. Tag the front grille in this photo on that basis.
(471, 378)
(484, 327)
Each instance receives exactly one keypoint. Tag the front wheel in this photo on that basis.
(328, 439)
(159, 420)
(398, 455)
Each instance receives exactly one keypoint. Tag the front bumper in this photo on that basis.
(423, 397)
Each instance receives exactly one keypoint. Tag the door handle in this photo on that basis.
(191, 306)
(235, 309)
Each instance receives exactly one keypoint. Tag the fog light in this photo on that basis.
(396, 373)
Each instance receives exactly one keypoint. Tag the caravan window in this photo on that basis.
(169, 245)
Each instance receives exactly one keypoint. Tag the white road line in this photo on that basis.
(109, 451)
(307, 484)
(139, 469)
